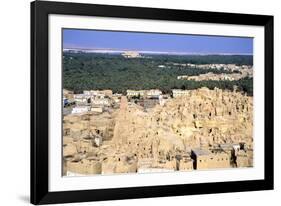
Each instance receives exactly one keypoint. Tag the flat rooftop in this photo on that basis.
(201, 152)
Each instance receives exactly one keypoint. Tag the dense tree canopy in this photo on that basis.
(84, 71)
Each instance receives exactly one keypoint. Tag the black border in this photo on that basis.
(39, 102)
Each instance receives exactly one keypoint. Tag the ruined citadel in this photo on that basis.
(201, 129)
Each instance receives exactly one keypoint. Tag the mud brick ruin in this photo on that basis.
(202, 129)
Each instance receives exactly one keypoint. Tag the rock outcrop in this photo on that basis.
(203, 119)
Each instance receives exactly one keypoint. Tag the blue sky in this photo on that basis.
(93, 39)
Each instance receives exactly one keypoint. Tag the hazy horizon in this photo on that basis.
(157, 43)
(115, 51)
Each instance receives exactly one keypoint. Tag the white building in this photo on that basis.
(141, 93)
(89, 92)
(97, 109)
(81, 98)
(131, 93)
(180, 92)
(104, 102)
(153, 93)
(98, 93)
(78, 110)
